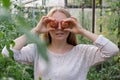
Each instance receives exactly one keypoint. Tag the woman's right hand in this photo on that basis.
(42, 25)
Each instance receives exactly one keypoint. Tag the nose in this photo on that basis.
(59, 25)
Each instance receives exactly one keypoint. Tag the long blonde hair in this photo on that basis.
(71, 38)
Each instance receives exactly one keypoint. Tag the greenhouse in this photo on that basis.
(61, 28)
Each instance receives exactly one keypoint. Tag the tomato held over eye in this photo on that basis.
(64, 24)
(54, 24)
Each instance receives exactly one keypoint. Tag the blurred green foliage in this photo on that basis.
(11, 69)
(14, 25)
(110, 19)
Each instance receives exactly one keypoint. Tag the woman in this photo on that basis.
(67, 59)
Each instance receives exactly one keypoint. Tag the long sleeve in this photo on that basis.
(104, 50)
(25, 55)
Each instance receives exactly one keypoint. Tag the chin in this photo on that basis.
(60, 39)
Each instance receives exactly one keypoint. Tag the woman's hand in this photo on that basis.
(74, 25)
(77, 29)
(42, 25)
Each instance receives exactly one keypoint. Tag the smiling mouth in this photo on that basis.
(59, 33)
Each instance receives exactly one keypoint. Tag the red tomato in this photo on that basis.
(54, 24)
(64, 24)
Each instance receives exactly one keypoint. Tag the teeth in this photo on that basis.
(59, 34)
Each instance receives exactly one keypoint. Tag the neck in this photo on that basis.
(60, 47)
(58, 44)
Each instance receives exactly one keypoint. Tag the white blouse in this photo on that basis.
(72, 65)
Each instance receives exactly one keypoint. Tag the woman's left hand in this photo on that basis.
(75, 27)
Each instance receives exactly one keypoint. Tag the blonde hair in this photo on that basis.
(71, 38)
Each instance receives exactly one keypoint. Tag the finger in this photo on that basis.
(68, 29)
(71, 20)
(48, 19)
(42, 20)
(67, 19)
(51, 29)
(51, 18)
(44, 17)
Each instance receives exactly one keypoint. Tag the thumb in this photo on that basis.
(68, 29)
(51, 29)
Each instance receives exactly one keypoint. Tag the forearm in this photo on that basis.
(22, 40)
(105, 50)
(88, 34)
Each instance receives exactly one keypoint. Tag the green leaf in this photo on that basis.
(12, 43)
(6, 3)
(9, 50)
(1, 35)
(41, 46)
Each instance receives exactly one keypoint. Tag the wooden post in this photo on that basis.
(93, 15)
(100, 2)
(119, 31)
(83, 12)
